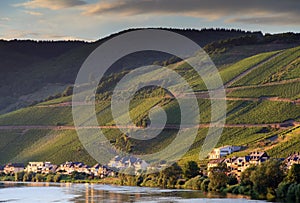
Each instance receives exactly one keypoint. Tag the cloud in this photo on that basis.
(5, 19)
(51, 4)
(24, 34)
(209, 9)
(33, 13)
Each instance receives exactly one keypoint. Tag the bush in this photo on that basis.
(39, 178)
(194, 183)
(291, 194)
(204, 185)
(282, 190)
(236, 190)
(57, 178)
(50, 178)
(28, 177)
(232, 180)
(19, 176)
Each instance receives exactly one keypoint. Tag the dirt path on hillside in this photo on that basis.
(170, 127)
(282, 82)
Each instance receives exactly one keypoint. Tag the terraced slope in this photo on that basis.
(251, 122)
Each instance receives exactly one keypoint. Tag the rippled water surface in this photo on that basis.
(45, 192)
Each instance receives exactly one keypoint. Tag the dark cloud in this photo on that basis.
(271, 20)
(210, 9)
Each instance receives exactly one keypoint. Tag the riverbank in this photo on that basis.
(267, 181)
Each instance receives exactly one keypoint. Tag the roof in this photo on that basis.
(242, 158)
(216, 161)
(293, 157)
(96, 166)
(16, 165)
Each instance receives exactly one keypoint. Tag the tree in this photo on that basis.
(169, 176)
(49, 178)
(57, 178)
(245, 176)
(294, 174)
(218, 178)
(282, 190)
(204, 185)
(267, 177)
(19, 176)
(190, 169)
(194, 183)
(39, 178)
(68, 91)
(28, 177)
(128, 177)
(291, 194)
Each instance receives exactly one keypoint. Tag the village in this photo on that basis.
(235, 165)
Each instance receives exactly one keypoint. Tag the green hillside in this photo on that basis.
(262, 83)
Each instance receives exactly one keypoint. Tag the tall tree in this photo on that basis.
(218, 178)
(190, 169)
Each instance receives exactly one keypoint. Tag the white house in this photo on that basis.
(35, 167)
(220, 152)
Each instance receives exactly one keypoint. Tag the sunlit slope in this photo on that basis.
(252, 104)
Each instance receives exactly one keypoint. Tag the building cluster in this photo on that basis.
(236, 165)
(67, 168)
(120, 163)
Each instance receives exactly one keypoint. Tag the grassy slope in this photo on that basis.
(279, 69)
(59, 146)
(288, 90)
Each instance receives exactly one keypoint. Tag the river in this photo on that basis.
(70, 192)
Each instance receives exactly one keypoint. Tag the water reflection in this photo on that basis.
(93, 193)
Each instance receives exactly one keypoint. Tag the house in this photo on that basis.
(102, 171)
(140, 165)
(49, 168)
(257, 157)
(229, 162)
(214, 163)
(95, 169)
(292, 159)
(82, 168)
(66, 168)
(12, 168)
(239, 165)
(35, 167)
(116, 162)
(119, 162)
(220, 152)
(70, 167)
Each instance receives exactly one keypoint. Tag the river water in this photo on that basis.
(50, 192)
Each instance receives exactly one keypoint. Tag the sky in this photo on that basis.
(94, 19)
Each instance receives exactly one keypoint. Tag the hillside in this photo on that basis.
(261, 77)
(30, 67)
